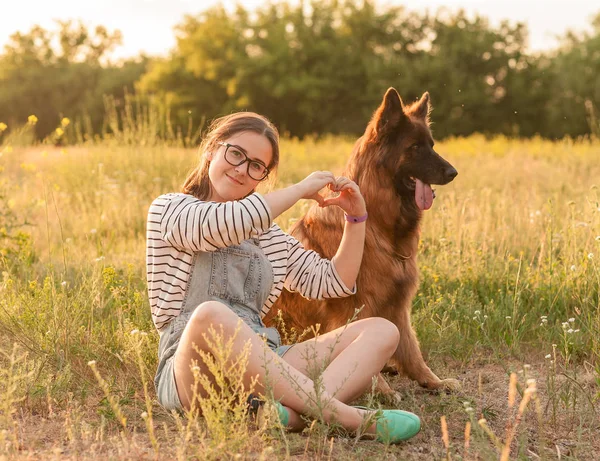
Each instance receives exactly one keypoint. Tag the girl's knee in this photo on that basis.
(387, 331)
(210, 313)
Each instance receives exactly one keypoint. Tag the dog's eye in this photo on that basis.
(415, 146)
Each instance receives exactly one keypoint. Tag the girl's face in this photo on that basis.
(233, 182)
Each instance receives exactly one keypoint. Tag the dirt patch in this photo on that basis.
(562, 423)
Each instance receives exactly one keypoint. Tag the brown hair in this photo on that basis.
(198, 182)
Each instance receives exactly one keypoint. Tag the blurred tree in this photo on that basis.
(470, 70)
(50, 81)
(323, 66)
(575, 69)
(200, 75)
(315, 67)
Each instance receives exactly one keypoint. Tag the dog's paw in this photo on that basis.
(444, 385)
(449, 384)
(396, 399)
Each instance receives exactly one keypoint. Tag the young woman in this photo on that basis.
(214, 256)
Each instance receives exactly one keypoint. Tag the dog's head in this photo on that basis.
(400, 140)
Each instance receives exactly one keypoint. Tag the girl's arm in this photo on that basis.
(348, 257)
(317, 278)
(187, 223)
(308, 188)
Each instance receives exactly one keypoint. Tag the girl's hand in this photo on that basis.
(350, 199)
(313, 183)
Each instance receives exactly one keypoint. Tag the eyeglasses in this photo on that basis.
(236, 157)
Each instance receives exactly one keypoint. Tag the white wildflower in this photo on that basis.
(548, 356)
(93, 231)
(91, 363)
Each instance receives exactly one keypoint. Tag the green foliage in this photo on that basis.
(575, 68)
(312, 67)
(37, 77)
(16, 251)
(322, 68)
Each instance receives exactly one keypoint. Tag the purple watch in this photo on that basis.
(356, 219)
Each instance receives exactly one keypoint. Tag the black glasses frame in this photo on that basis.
(246, 159)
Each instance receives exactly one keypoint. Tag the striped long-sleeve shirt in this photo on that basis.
(180, 225)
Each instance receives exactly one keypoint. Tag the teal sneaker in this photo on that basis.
(255, 403)
(394, 426)
(284, 416)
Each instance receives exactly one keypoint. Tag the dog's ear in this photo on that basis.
(422, 108)
(390, 113)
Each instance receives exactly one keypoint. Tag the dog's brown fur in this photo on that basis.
(382, 163)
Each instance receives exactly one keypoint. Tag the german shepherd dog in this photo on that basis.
(394, 165)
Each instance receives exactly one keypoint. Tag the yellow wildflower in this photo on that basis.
(11, 203)
(45, 154)
(32, 119)
(28, 166)
(59, 132)
(65, 122)
(8, 149)
(3, 126)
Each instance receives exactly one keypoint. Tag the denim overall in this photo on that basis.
(240, 277)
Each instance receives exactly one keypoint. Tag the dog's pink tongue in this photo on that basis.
(423, 195)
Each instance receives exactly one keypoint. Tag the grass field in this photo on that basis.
(509, 284)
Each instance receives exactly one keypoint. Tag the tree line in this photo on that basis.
(313, 68)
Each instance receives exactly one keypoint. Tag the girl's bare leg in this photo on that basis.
(351, 356)
(290, 386)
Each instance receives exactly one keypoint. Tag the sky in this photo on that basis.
(147, 25)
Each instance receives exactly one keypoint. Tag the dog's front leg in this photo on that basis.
(410, 360)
